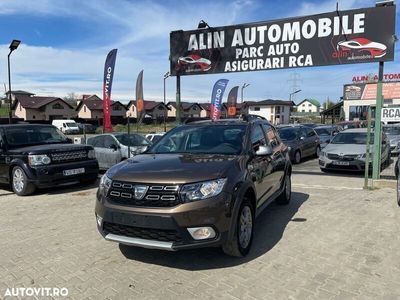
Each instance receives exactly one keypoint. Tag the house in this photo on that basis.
(13, 94)
(157, 110)
(32, 108)
(309, 106)
(188, 110)
(91, 107)
(275, 111)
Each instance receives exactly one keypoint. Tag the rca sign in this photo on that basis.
(390, 114)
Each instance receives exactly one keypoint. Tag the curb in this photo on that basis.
(384, 183)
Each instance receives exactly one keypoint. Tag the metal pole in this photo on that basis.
(165, 124)
(376, 167)
(178, 99)
(241, 94)
(129, 138)
(84, 132)
(366, 175)
(9, 91)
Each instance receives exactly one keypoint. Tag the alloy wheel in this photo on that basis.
(245, 227)
(18, 180)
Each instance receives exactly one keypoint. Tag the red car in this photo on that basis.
(194, 62)
(376, 50)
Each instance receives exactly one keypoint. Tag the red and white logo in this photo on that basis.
(362, 46)
(194, 62)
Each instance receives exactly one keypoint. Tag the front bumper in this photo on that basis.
(50, 175)
(164, 228)
(341, 165)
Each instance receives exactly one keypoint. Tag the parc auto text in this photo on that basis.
(277, 41)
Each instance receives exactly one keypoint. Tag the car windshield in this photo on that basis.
(323, 131)
(395, 130)
(132, 140)
(27, 136)
(215, 139)
(287, 134)
(358, 138)
(71, 124)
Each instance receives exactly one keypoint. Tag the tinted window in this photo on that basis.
(287, 134)
(97, 142)
(108, 141)
(257, 136)
(272, 137)
(35, 135)
(310, 132)
(132, 139)
(323, 131)
(391, 130)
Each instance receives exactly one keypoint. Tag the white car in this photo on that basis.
(154, 137)
(376, 50)
(195, 62)
(66, 126)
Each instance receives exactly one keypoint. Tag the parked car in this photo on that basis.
(201, 185)
(66, 126)
(312, 125)
(89, 128)
(154, 137)
(392, 132)
(111, 148)
(35, 156)
(347, 151)
(326, 133)
(302, 142)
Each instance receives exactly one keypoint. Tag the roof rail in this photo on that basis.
(249, 117)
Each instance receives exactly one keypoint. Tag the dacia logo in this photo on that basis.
(140, 191)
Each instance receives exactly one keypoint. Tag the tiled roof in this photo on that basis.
(36, 102)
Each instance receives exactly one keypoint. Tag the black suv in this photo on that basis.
(33, 156)
(201, 185)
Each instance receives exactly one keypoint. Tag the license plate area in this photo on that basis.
(341, 163)
(73, 172)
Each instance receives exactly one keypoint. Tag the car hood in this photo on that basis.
(49, 148)
(172, 168)
(347, 149)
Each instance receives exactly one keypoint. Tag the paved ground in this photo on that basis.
(334, 241)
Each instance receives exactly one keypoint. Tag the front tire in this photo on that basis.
(242, 239)
(20, 184)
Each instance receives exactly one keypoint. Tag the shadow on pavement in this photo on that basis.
(269, 228)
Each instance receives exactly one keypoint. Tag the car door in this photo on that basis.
(4, 162)
(98, 145)
(259, 167)
(303, 145)
(111, 151)
(278, 162)
(312, 141)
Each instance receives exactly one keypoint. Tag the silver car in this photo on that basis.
(347, 151)
(393, 134)
(112, 148)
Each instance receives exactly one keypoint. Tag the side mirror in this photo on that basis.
(301, 138)
(113, 147)
(264, 150)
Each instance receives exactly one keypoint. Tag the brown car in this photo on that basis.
(201, 185)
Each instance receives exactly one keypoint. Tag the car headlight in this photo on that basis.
(364, 156)
(361, 156)
(202, 190)
(39, 160)
(105, 184)
(91, 154)
(289, 148)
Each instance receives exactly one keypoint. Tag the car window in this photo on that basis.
(98, 142)
(287, 134)
(303, 132)
(108, 141)
(272, 137)
(310, 132)
(257, 136)
(358, 138)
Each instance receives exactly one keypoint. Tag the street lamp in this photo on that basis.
(202, 25)
(291, 94)
(166, 75)
(245, 85)
(13, 46)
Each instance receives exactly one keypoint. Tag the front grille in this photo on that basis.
(69, 156)
(143, 233)
(347, 157)
(156, 195)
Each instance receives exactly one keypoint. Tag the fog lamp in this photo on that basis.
(202, 233)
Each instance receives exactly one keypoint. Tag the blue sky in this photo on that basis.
(65, 43)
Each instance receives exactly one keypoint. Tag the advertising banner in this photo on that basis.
(340, 37)
(140, 112)
(107, 84)
(390, 114)
(216, 98)
(367, 91)
(232, 101)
